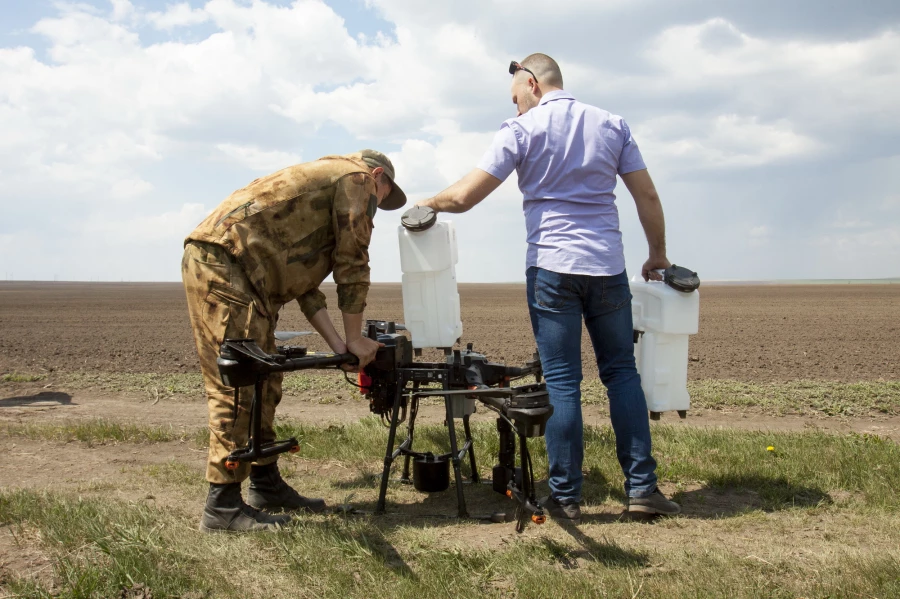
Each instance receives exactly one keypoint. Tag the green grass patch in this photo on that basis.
(800, 470)
(800, 397)
(176, 473)
(154, 384)
(191, 384)
(97, 432)
(108, 548)
(19, 377)
(100, 548)
(814, 398)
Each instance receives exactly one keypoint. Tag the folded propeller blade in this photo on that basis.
(288, 335)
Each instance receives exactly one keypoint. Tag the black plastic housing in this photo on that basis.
(681, 279)
(530, 409)
(418, 218)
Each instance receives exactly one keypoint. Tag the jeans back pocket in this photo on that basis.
(616, 292)
(553, 290)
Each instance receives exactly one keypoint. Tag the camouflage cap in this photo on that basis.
(396, 199)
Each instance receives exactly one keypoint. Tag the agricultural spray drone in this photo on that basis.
(394, 383)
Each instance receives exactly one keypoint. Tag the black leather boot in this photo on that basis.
(225, 511)
(268, 491)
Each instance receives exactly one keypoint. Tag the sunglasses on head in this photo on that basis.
(515, 67)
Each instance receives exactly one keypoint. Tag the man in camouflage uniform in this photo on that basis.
(267, 244)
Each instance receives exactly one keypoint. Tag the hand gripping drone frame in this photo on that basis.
(392, 383)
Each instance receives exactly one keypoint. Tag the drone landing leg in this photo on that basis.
(455, 457)
(468, 430)
(256, 416)
(410, 428)
(389, 454)
(528, 505)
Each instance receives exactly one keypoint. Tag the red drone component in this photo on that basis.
(364, 381)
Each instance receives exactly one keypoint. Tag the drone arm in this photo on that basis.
(315, 361)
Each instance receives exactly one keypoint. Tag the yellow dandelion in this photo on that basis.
(770, 448)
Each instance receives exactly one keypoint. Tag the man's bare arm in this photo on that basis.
(650, 213)
(321, 322)
(464, 194)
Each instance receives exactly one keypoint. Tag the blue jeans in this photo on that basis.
(557, 303)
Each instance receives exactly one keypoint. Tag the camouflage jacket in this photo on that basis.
(289, 230)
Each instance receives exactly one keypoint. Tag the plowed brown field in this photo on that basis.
(748, 333)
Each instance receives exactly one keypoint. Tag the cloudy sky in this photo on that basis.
(771, 128)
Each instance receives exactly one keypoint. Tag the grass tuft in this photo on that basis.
(96, 432)
(101, 548)
(824, 398)
(191, 384)
(109, 548)
(18, 377)
(784, 469)
(812, 398)
(801, 472)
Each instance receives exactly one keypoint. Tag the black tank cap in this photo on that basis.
(681, 278)
(418, 218)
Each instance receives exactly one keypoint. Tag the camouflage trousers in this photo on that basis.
(223, 304)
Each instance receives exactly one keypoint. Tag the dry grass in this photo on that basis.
(816, 516)
(798, 521)
(19, 377)
(801, 397)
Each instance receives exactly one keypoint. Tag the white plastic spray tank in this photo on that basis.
(428, 257)
(665, 314)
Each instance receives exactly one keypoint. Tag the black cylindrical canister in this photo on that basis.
(431, 473)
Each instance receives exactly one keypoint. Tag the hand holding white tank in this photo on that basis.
(428, 257)
(665, 314)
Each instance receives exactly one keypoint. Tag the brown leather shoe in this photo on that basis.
(654, 504)
(563, 513)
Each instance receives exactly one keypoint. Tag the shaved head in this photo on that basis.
(545, 69)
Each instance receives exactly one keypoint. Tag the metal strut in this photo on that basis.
(256, 449)
(456, 455)
(389, 453)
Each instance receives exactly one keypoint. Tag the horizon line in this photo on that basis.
(885, 280)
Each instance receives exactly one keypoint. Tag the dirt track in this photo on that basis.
(748, 333)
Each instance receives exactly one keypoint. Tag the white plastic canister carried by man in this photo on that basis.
(567, 155)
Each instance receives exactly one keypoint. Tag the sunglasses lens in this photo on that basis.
(513, 67)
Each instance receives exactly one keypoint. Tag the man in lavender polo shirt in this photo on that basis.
(567, 155)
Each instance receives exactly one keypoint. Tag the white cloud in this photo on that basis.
(178, 15)
(884, 239)
(258, 159)
(126, 189)
(106, 105)
(723, 141)
(426, 167)
(760, 236)
(818, 82)
(113, 122)
(122, 9)
(853, 224)
(720, 97)
(172, 226)
(890, 202)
